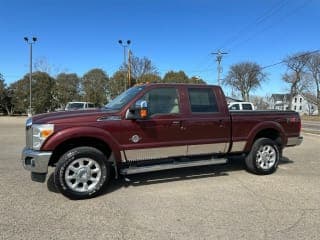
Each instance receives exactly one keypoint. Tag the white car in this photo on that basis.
(240, 106)
(79, 106)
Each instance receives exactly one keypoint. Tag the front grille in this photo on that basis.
(29, 137)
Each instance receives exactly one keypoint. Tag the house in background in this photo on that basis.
(304, 104)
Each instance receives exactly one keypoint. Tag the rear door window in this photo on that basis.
(246, 106)
(202, 100)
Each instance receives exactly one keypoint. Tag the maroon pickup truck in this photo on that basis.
(153, 127)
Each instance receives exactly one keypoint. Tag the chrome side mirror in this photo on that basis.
(139, 110)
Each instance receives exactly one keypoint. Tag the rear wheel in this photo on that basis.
(263, 157)
(82, 173)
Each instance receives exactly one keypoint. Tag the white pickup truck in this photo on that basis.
(241, 106)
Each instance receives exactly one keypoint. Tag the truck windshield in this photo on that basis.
(124, 98)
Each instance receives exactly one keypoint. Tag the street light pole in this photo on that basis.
(125, 45)
(31, 42)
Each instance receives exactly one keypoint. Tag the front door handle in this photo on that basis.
(178, 123)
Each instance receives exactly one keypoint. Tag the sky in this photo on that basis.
(76, 36)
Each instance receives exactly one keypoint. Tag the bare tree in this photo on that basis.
(245, 77)
(42, 64)
(302, 86)
(141, 67)
(313, 67)
(296, 65)
(260, 103)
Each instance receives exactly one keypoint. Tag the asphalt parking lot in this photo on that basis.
(224, 202)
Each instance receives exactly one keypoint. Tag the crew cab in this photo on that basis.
(153, 127)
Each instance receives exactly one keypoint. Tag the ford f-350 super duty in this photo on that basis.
(153, 127)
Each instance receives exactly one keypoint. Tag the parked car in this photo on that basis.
(149, 128)
(240, 106)
(79, 106)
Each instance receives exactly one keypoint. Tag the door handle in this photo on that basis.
(221, 124)
(178, 123)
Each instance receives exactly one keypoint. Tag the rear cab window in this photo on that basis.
(202, 100)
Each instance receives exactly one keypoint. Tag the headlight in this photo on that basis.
(40, 132)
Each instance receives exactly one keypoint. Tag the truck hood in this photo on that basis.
(79, 116)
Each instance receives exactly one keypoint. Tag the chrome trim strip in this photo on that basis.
(294, 141)
(155, 153)
(238, 146)
(176, 151)
(207, 148)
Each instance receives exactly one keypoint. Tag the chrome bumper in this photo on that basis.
(294, 141)
(35, 161)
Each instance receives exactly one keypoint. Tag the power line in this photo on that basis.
(258, 32)
(269, 13)
(283, 61)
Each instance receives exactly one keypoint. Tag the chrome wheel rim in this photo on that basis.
(266, 157)
(83, 175)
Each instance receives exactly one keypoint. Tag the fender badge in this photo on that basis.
(135, 138)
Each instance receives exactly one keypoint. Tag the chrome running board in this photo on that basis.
(173, 165)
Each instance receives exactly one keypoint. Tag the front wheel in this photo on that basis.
(82, 173)
(263, 157)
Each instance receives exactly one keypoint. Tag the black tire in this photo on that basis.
(264, 157)
(82, 173)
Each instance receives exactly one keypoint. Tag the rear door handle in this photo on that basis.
(221, 124)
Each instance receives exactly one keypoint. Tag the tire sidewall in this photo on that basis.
(253, 165)
(68, 158)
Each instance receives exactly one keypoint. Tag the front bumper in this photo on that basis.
(35, 161)
(294, 141)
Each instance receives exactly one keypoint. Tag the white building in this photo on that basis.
(304, 104)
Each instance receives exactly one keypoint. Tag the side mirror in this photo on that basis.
(138, 111)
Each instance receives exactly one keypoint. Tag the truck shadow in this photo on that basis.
(174, 175)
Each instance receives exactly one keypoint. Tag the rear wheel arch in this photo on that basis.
(274, 134)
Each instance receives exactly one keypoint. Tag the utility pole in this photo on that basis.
(218, 59)
(129, 68)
